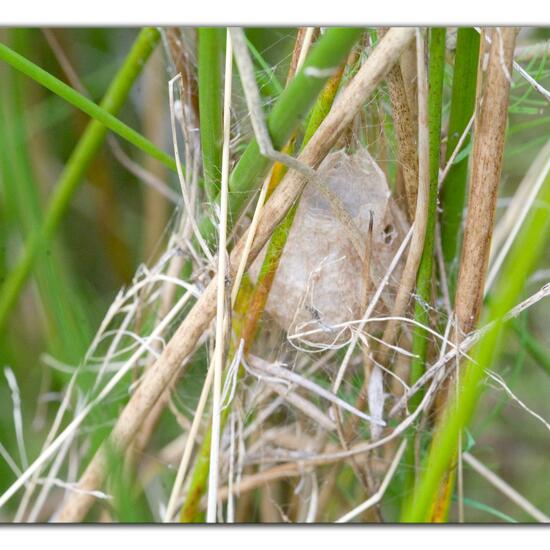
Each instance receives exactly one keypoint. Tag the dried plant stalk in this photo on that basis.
(181, 58)
(183, 343)
(488, 148)
(403, 96)
(407, 64)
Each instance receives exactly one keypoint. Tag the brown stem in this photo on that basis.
(488, 148)
(402, 88)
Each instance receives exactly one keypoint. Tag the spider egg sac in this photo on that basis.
(320, 283)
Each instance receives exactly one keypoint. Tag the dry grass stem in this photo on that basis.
(488, 148)
(401, 93)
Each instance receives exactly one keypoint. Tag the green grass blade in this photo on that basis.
(475, 504)
(74, 170)
(538, 352)
(211, 46)
(267, 75)
(129, 504)
(102, 113)
(453, 192)
(68, 336)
